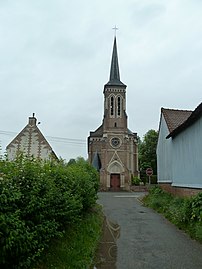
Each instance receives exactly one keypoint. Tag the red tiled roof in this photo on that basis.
(195, 115)
(175, 117)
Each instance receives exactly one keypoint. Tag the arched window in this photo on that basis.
(119, 106)
(112, 105)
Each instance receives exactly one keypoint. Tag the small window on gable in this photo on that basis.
(112, 105)
(115, 125)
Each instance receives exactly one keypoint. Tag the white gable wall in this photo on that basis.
(187, 157)
(164, 154)
(30, 143)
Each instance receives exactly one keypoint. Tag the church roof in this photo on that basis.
(98, 131)
(114, 79)
(96, 163)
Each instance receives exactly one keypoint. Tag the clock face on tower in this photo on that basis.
(115, 142)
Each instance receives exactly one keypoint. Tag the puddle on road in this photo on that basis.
(107, 250)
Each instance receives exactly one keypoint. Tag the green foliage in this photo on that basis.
(76, 249)
(71, 161)
(37, 200)
(153, 179)
(186, 213)
(196, 206)
(147, 151)
(135, 181)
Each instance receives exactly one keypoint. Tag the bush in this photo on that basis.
(135, 181)
(37, 200)
(154, 179)
(196, 206)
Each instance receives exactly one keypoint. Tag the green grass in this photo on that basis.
(77, 248)
(185, 213)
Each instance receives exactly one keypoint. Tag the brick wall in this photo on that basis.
(182, 192)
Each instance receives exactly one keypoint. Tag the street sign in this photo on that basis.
(149, 171)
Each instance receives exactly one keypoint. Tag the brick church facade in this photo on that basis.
(112, 147)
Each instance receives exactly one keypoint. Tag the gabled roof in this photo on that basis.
(98, 132)
(175, 117)
(193, 117)
(34, 132)
(114, 79)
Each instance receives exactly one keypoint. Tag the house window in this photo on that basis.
(112, 105)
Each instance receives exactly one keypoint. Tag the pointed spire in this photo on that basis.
(114, 78)
(114, 72)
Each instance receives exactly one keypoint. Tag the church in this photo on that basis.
(112, 147)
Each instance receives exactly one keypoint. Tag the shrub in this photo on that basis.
(196, 206)
(37, 200)
(135, 181)
(186, 213)
(154, 179)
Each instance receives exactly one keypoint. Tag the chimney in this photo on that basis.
(32, 120)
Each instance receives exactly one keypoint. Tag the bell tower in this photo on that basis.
(112, 147)
(115, 117)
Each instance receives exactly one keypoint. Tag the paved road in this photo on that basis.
(147, 240)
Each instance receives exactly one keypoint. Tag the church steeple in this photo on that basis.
(112, 147)
(114, 79)
(114, 98)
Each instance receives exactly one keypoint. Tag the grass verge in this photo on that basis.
(185, 213)
(77, 248)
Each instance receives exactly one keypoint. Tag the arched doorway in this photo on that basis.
(116, 178)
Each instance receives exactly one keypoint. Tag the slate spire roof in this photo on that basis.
(114, 78)
(96, 163)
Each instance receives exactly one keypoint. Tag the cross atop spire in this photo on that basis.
(115, 29)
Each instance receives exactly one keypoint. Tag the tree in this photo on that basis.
(71, 161)
(147, 151)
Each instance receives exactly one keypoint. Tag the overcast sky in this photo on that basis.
(55, 59)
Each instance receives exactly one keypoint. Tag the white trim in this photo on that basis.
(108, 180)
(115, 164)
(194, 186)
(165, 181)
(122, 183)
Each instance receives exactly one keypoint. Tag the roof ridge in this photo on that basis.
(175, 109)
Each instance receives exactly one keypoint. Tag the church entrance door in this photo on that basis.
(115, 182)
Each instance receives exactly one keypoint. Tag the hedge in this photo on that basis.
(186, 213)
(37, 200)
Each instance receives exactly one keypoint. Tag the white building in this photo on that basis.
(31, 142)
(179, 151)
